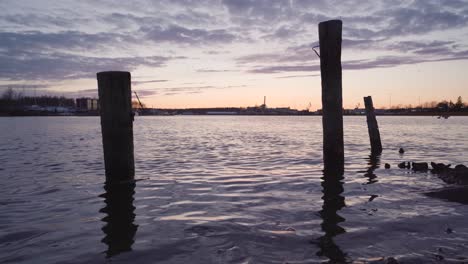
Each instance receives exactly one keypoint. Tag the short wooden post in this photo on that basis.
(372, 127)
(116, 125)
(332, 102)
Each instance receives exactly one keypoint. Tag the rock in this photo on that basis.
(457, 175)
(401, 151)
(402, 165)
(448, 176)
(387, 166)
(439, 166)
(420, 166)
(461, 174)
(455, 194)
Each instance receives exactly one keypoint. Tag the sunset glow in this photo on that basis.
(216, 53)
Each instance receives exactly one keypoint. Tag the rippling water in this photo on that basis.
(224, 189)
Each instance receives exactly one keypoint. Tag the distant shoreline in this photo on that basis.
(434, 114)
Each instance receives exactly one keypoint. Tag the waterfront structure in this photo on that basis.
(87, 104)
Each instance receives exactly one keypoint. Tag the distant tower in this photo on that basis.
(264, 102)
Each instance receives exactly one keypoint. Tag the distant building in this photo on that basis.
(87, 104)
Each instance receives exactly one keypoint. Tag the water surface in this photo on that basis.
(227, 189)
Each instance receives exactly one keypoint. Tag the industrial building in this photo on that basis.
(87, 104)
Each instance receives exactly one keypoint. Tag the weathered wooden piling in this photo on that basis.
(120, 227)
(332, 101)
(372, 127)
(116, 125)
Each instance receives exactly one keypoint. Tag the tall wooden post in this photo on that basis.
(332, 102)
(116, 125)
(120, 227)
(372, 127)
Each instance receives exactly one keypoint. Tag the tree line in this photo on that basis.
(443, 105)
(12, 98)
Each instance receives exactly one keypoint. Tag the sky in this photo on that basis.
(216, 53)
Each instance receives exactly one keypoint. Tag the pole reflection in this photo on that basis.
(333, 201)
(119, 229)
(374, 162)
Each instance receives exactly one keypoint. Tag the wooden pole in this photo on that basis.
(372, 127)
(332, 102)
(120, 227)
(116, 125)
(333, 201)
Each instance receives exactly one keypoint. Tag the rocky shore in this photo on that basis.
(457, 177)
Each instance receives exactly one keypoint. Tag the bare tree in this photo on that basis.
(9, 94)
(459, 104)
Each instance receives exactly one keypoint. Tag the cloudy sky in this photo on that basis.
(204, 53)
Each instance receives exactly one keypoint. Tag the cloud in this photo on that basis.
(216, 52)
(149, 81)
(60, 66)
(213, 70)
(404, 21)
(127, 21)
(63, 41)
(282, 69)
(145, 93)
(36, 41)
(422, 47)
(166, 91)
(35, 20)
(370, 20)
(408, 18)
(260, 57)
(379, 62)
(298, 76)
(282, 33)
(258, 9)
(182, 35)
(301, 58)
(93, 93)
(393, 61)
(300, 53)
(23, 86)
(35, 55)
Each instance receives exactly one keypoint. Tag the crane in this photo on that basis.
(138, 98)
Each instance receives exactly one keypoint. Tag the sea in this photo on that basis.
(229, 189)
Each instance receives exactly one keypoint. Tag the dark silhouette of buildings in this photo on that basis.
(87, 104)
